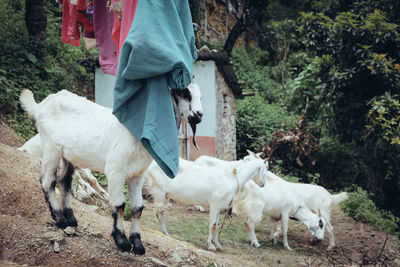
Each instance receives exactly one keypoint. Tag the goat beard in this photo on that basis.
(178, 122)
(194, 126)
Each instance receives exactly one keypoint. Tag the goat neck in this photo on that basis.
(246, 172)
(304, 215)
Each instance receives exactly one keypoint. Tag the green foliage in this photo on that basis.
(22, 125)
(309, 87)
(363, 48)
(64, 67)
(384, 118)
(251, 67)
(101, 178)
(257, 121)
(338, 163)
(362, 208)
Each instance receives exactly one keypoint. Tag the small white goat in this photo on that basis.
(77, 132)
(316, 198)
(209, 186)
(278, 199)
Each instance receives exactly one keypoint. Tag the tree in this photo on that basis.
(36, 22)
(253, 14)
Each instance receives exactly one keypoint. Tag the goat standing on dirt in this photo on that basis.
(315, 197)
(278, 200)
(201, 185)
(77, 132)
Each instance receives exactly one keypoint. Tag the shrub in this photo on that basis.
(257, 121)
(64, 67)
(251, 66)
(360, 207)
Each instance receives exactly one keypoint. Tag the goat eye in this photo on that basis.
(321, 224)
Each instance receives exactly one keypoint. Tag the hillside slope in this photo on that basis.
(27, 232)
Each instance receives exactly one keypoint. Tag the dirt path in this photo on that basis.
(27, 233)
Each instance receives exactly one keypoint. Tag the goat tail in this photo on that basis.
(339, 198)
(28, 102)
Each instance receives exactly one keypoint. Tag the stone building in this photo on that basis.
(216, 134)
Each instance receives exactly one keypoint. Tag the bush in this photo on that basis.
(257, 121)
(338, 163)
(64, 67)
(251, 66)
(360, 207)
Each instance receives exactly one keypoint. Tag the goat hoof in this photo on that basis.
(59, 218)
(121, 241)
(124, 245)
(62, 223)
(71, 220)
(138, 247)
(139, 250)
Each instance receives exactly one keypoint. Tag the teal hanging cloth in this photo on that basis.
(158, 54)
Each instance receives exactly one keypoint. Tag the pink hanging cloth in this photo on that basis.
(124, 12)
(103, 24)
(74, 17)
(69, 30)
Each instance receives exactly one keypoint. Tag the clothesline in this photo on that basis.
(105, 24)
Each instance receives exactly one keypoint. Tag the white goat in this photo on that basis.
(279, 200)
(316, 198)
(210, 186)
(78, 132)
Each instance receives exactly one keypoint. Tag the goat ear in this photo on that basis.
(259, 154)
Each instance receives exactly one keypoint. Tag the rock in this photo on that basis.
(70, 230)
(157, 262)
(127, 256)
(176, 257)
(54, 237)
(56, 247)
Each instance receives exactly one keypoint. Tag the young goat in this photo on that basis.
(316, 198)
(210, 186)
(77, 132)
(278, 200)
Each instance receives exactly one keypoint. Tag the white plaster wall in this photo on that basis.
(104, 88)
(204, 76)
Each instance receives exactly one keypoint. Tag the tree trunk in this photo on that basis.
(235, 33)
(36, 22)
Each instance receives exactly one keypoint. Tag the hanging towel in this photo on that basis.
(158, 53)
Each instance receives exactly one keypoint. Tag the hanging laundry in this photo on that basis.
(124, 12)
(158, 53)
(103, 20)
(73, 19)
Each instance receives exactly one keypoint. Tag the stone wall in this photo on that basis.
(226, 120)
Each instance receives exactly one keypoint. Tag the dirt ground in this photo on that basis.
(28, 235)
